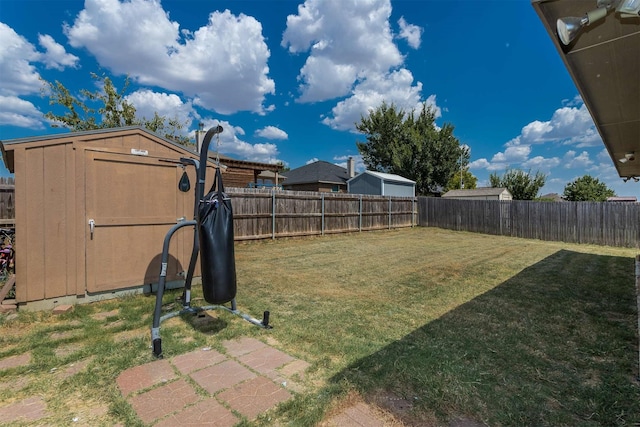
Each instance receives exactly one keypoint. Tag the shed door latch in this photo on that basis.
(92, 227)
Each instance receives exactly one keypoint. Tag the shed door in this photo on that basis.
(133, 201)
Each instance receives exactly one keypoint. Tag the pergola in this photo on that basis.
(604, 63)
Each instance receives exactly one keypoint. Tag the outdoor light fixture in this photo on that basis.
(629, 8)
(628, 157)
(568, 28)
(635, 178)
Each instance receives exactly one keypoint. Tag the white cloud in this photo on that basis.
(395, 88)
(603, 156)
(19, 76)
(272, 132)
(232, 144)
(18, 112)
(352, 55)
(347, 40)
(412, 33)
(223, 64)
(479, 164)
(313, 160)
(569, 125)
(55, 55)
(541, 163)
(167, 105)
(573, 161)
(513, 154)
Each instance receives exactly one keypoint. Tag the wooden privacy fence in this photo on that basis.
(600, 223)
(7, 200)
(263, 213)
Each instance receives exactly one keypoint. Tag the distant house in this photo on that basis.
(381, 184)
(631, 199)
(318, 176)
(553, 197)
(482, 193)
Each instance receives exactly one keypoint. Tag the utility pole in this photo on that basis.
(461, 174)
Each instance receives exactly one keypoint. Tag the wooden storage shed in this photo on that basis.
(381, 184)
(125, 182)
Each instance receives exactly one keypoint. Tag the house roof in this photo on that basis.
(604, 64)
(319, 171)
(386, 177)
(478, 192)
(552, 196)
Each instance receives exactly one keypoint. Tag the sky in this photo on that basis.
(288, 80)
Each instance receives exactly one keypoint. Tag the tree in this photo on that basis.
(412, 146)
(469, 180)
(587, 188)
(112, 110)
(520, 184)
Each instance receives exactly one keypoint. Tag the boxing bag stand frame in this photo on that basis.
(158, 318)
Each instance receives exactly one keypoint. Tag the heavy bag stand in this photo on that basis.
(201, 167)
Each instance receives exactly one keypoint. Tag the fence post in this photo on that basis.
(389, 212)
(413, 212)
(322, 215)
(273, 214)
(638, 300)
(360, 215)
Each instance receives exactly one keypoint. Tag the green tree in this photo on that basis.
(103, 109)
(522, 185)
(587, 188)
(412, 146)
(465, 180)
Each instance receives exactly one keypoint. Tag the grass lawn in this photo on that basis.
(429, 324)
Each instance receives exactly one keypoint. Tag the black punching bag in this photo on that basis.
(217, 256)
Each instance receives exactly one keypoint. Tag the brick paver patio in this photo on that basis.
(204, 387)
(209, 388)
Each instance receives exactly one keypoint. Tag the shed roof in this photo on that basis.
(53, 138)
(386, 177)
(319, 171)
(481, 191)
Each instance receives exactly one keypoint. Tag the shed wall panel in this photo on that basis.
(365, 184)
(34, 254)
(398, 190)
(21, 223)
(55, 222)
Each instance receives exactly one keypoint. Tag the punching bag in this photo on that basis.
(217, 256)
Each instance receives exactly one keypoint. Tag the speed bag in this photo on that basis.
(217, 256)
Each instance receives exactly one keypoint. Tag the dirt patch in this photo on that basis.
(352, 410)
(402, 409)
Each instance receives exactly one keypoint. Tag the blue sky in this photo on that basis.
(288, 79)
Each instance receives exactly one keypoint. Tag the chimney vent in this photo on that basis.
(351, 167)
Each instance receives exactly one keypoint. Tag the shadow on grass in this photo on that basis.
(554, 345)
